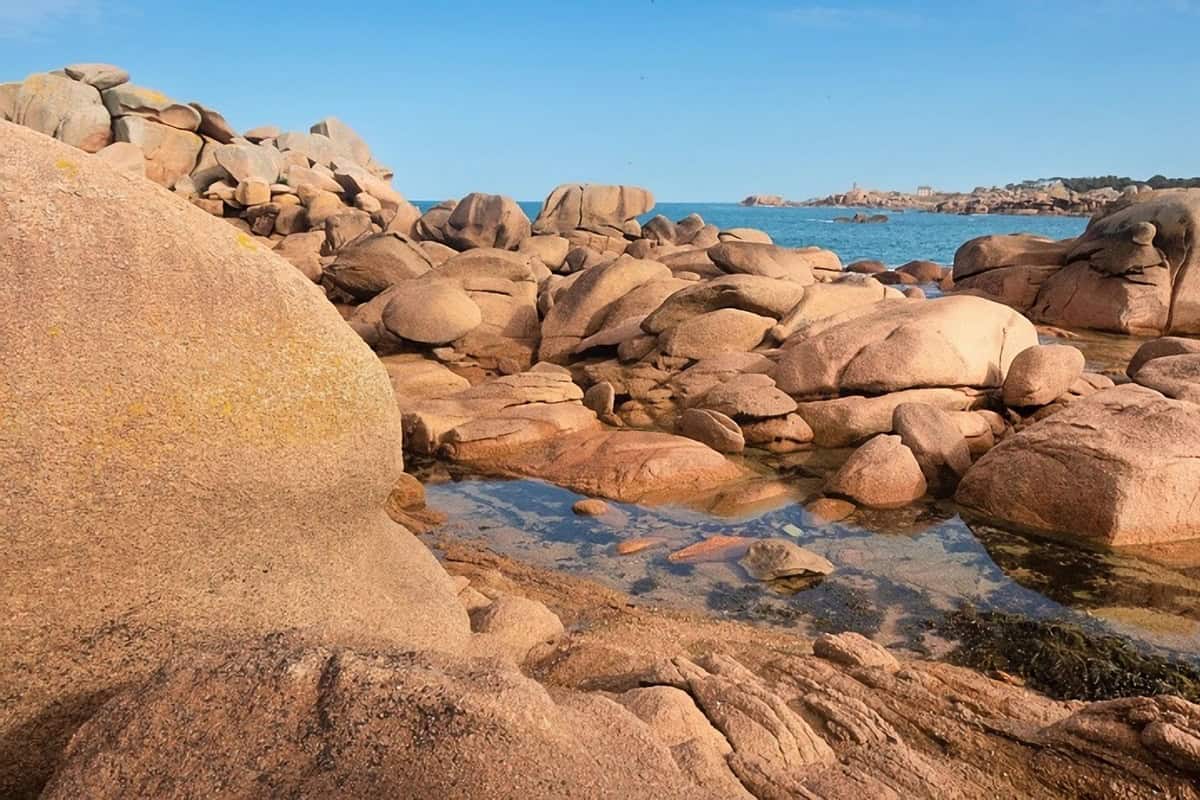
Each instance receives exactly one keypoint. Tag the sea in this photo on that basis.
(906, 236)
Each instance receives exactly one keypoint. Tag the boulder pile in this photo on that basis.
(542, 347)
(273, 183)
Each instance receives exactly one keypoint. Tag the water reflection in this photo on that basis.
(898, 573)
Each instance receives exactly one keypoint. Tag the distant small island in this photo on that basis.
(1044, 196)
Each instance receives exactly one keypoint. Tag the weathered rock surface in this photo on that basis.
(486, 220)
(849, 420)
(430, 312)
(753, 293)
(1130, 272)
(169, 486)
(1175, 376)
(66, 109)
(170, 153)
(823, 300)
(278, 721)
(373, 263)
(1156, 348)
(492, 420)
(751, 396)
(950, 341)
(416, 378)
(936, 442)
(128, 99)
(101, 76)
(1008, 250)
(726, 330)
(627, 466)
(875, 711)
(773, 261)
(771, 559)
(611, 210)
(1117, 467)
(581, 310)
(713, 429)
(511, 626)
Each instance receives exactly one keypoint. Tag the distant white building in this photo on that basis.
(924, 191)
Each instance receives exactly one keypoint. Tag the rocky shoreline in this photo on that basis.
(213, 382)
(1053, 200)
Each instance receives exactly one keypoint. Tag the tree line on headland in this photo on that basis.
(1110, 181)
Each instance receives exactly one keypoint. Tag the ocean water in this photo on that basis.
(908, 235)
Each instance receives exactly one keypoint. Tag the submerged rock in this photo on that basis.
(828, 510)
(771, 559)
(591, 507)
(713, 548)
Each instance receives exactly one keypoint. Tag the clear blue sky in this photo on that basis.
(694, 99)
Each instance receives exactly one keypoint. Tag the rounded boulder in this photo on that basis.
(431, 312)
(194, 447)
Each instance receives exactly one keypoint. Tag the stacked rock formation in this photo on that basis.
(274, 182)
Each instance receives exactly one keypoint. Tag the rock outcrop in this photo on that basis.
(273, 183)
(1132, 271)
(605, 210)
(280, 721)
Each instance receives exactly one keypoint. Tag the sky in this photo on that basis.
(697, 100)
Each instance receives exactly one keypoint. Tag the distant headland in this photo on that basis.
(1050, 196)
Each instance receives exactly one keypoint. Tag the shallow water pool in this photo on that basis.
(898, 573)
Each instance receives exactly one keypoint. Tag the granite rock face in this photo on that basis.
(951, 341)
(194, 447)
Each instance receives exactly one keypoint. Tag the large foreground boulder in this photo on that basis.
(276, 721)
(193, 445)
(1118, 467)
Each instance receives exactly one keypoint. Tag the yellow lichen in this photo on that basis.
(67, 167)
